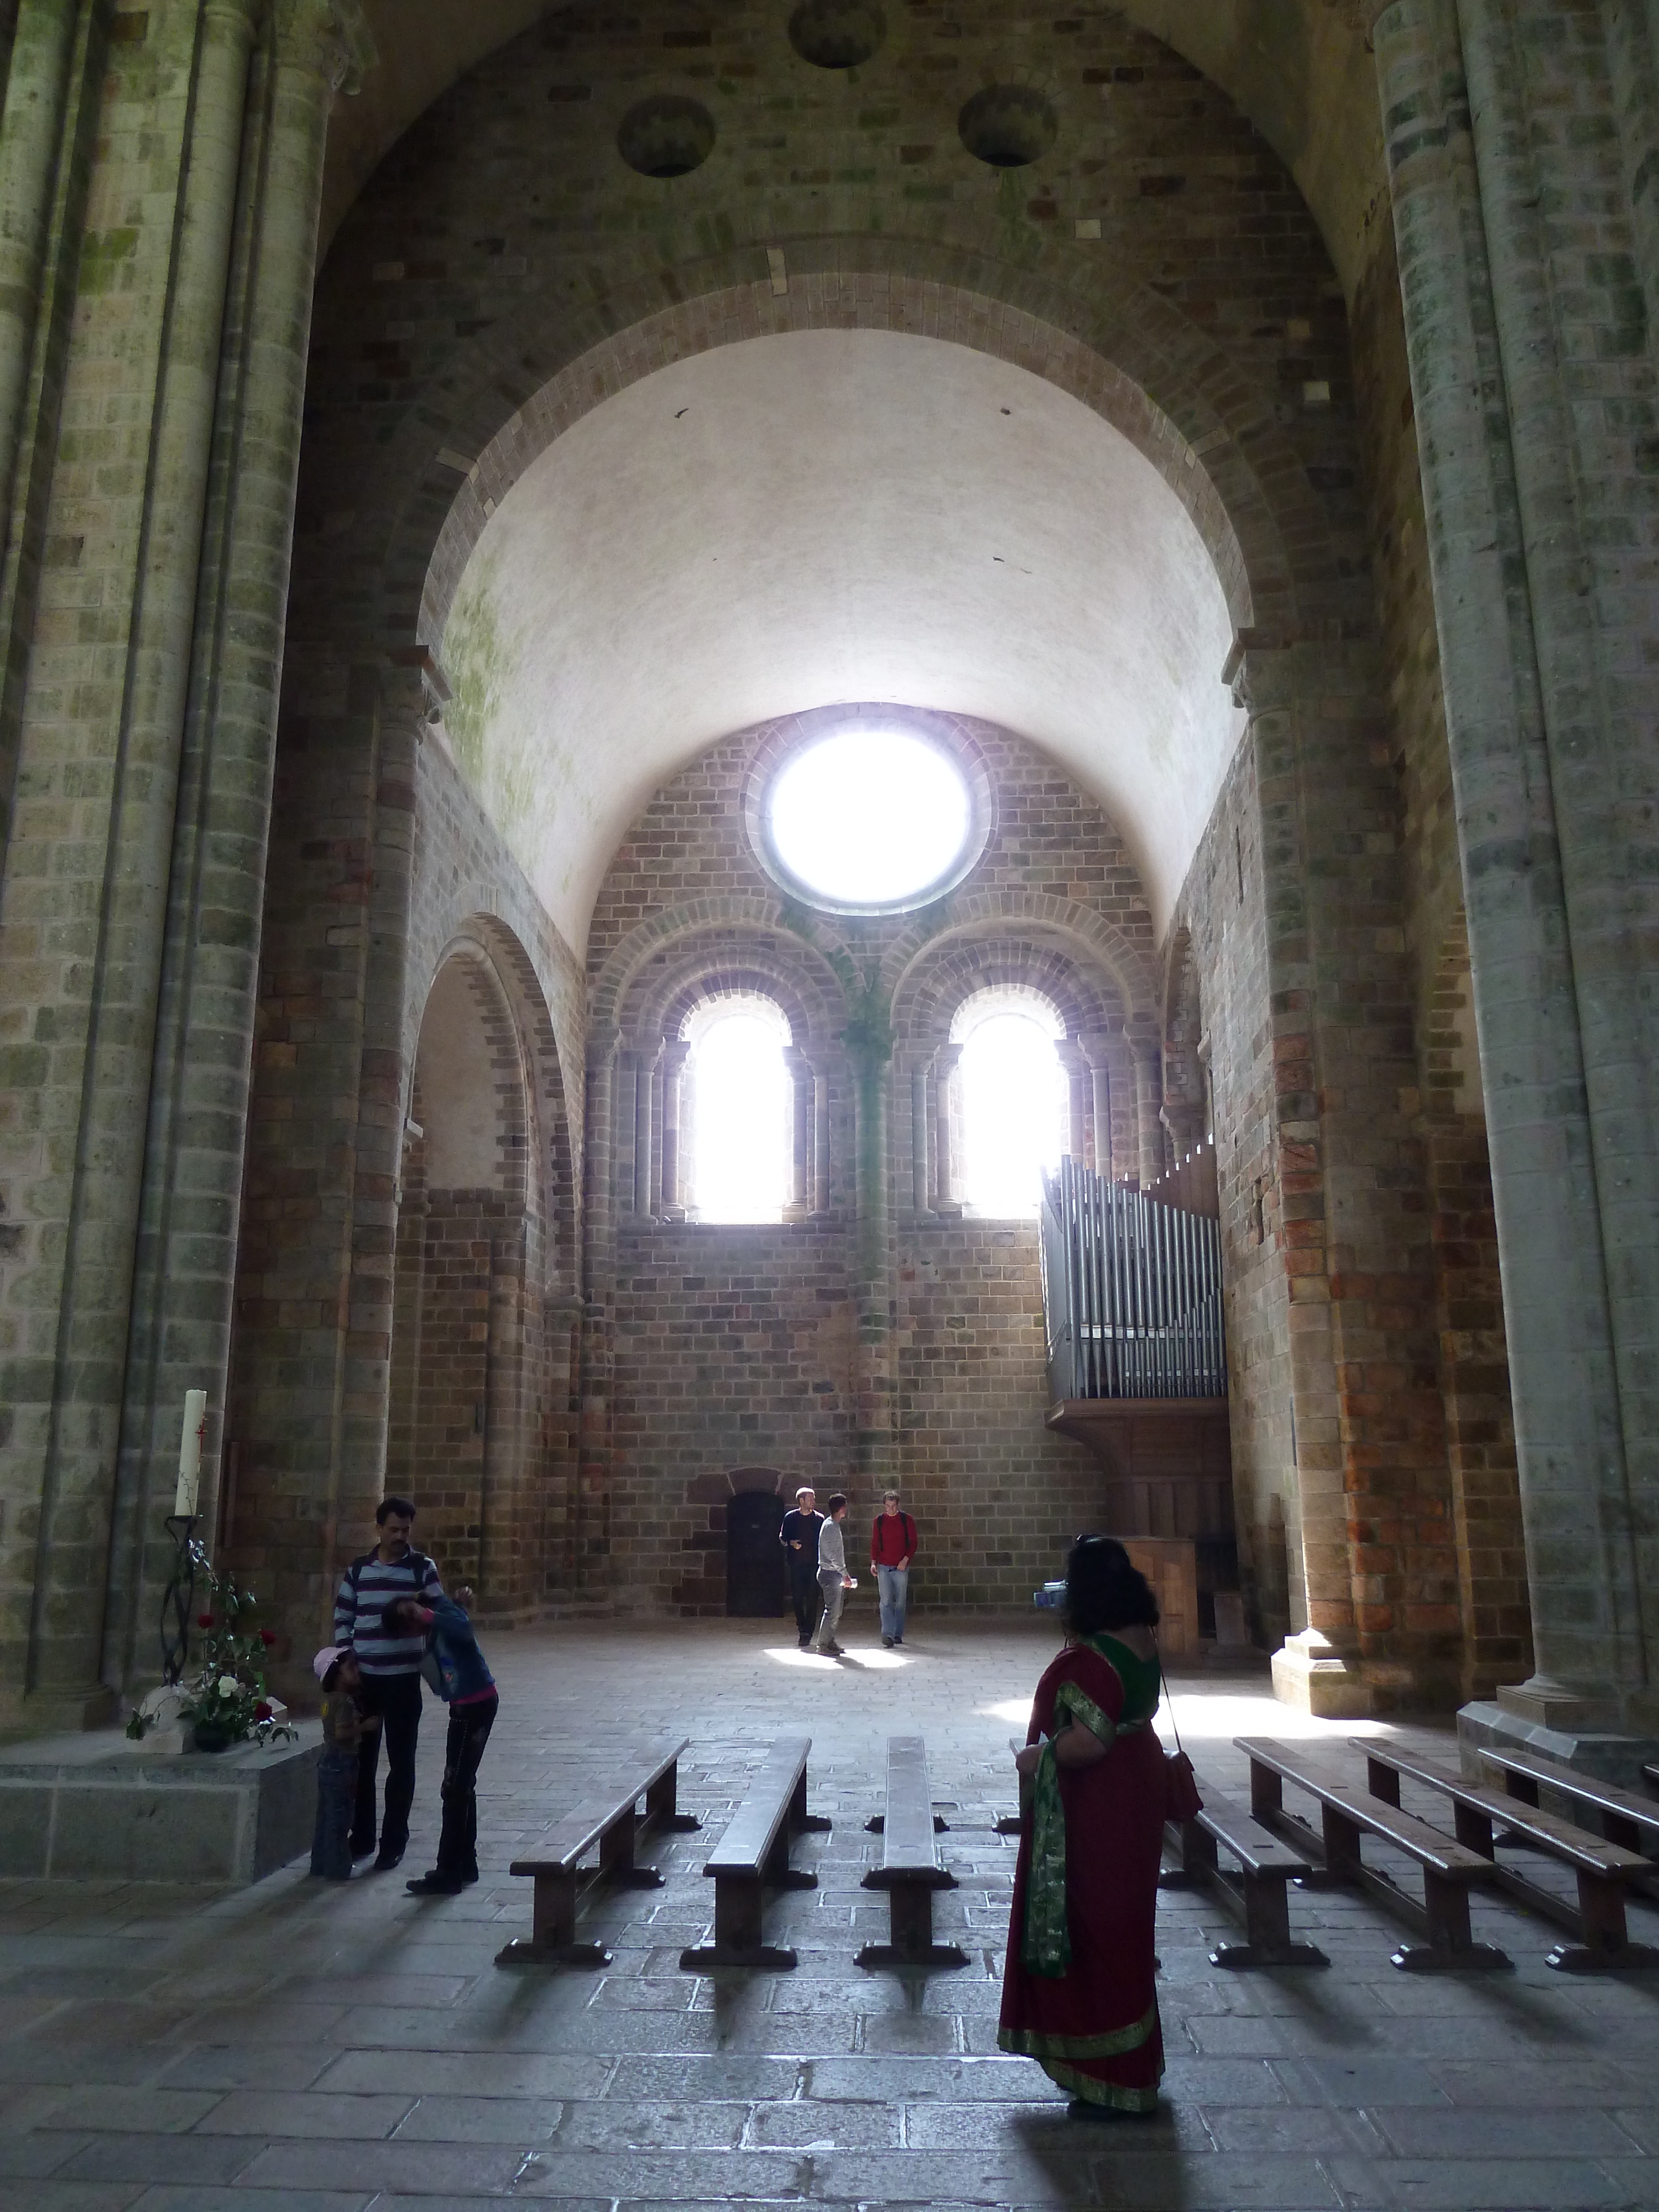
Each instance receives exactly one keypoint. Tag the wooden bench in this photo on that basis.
(1603, 1869)
(753, 1857)
(1260, 1891)
(1626, 1818)
(614, 1824)
(1346, 1812)
(910, 1871)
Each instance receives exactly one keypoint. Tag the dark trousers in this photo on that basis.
(336, 1793)
(803, 1593)
(457, 1842)
(396, 1699)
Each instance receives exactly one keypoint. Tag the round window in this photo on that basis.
(871, 819)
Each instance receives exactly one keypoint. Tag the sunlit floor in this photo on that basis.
(320, 2050)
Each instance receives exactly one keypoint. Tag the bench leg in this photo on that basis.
(660, 1804)
(1267, 1929)
(1195, 1855)
(616, 1862)
(552, 1940)
(1267, 1792)
(801, 1822)
(1446, 1905)
(740, 1910)
(1341, 1835)
(1607, 1942)
(1382, 1781)
(910, 1927)
(1473, 1829)
(778, 1874)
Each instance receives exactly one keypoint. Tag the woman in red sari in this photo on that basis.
(1079, 1994)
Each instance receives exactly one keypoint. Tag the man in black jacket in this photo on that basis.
(798, 1536)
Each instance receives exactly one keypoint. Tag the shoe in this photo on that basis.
(387, 1861)
(898, 1639)
(804, 1644)
(834, 1651)
(470, 1878)
(887, 1643)
(363, 1851)
(435, 1885)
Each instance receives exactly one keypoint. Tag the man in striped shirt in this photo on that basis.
(391, 1668)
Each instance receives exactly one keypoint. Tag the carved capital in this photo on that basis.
(329, 36)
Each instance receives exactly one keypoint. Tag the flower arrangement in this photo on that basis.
(225, 1700)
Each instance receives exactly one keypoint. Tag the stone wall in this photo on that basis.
(737, 1348)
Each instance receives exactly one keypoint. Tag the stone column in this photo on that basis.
(1149, 1098)
(674, 1058)
(644, 1059)
(920, 1186)
(1096, 1051)
(823, 1196)
(200, 1075)
(947, 1197)
(1069, 1052)
(100, 1007)
(1546, 768)
(591, 1514)
(38, 99)
(870, 1049)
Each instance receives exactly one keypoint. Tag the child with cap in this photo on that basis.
(344, 1726)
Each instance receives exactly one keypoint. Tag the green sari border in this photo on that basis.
(1034, 2043)
(1045, 1941)
(1087, 2091)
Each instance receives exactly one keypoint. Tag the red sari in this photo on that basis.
(1092, 2024)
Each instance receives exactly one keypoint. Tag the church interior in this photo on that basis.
(896, 746)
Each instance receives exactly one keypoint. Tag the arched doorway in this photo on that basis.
(755, 1588)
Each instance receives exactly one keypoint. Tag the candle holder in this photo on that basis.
(178, 1605)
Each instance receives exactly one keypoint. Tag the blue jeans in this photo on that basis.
(892, 1583)
(337, 1792)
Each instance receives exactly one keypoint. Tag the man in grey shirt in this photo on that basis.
(834, 1580)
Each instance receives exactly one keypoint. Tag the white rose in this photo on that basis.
(228, 1686)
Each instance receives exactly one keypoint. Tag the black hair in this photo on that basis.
(835, 1503)
(396, 1605)
(390, 1505)
(1105, 1590)
(332, 1675)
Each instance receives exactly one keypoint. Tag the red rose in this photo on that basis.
(267, 1636)
(205, 1621)
(262, 1710)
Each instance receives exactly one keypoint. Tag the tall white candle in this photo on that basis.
(190, 1454)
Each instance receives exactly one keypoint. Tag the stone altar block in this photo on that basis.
(97, 1808)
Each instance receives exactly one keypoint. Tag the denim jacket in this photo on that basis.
(456, 1668)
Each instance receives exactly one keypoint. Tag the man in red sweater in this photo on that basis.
(892, 1547)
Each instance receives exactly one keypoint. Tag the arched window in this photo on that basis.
(739, 1102)
(1016, 1100)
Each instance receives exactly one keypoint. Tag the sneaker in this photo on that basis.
(435, 1885)
(387, 1861)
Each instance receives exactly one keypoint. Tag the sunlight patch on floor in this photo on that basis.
(785, 1655)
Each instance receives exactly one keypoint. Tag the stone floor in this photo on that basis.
(324, 2050)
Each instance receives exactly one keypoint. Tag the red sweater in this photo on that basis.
(892, 1538)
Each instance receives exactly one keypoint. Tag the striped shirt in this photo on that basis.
(367, 1588)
